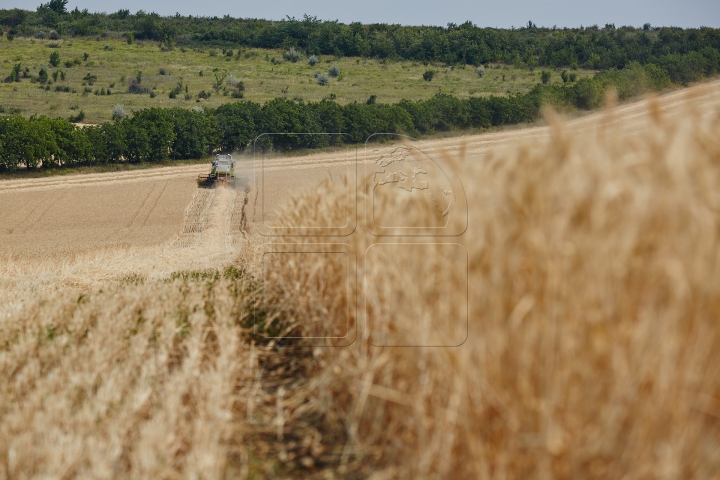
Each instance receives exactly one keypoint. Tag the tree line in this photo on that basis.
(585, 47)
(157, 134)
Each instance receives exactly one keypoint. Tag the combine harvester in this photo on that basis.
(222, 173)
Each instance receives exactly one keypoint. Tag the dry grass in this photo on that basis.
(119, 362)
(593, 307)
(590, 299)
(153, 382)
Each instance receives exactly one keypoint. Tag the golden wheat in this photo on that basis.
(593, 314)
(589, 303)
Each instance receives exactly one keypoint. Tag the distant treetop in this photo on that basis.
(57, 6)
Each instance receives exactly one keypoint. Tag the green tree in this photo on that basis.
(191, 131)
(57, 6)
(150, 27)
(55, 59)
(235, 124)
(15, 73)
(545, 77)
(13, 141)
(219, 82)
(40, 142)
(330, 116)
(71, 145)
(107, 141)
(150, 135)
(588, 93)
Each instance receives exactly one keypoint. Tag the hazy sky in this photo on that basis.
(496, 13)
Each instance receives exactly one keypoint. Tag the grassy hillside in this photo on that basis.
(265, 74)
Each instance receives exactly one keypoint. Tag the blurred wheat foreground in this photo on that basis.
(593, 273)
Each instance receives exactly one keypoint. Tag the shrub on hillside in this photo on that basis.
(77, 118)
(334, 71)
(90, 78)
(118, 112)
(14, 74)
(292, 55)
(312, 61)
(135, 87)
(239, 90)
(323, 79)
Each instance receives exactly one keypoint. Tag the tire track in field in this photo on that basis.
(52, 203)
(29, 216)
(137, 212)
(155, 204)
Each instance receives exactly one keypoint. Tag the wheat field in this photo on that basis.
(573, 313)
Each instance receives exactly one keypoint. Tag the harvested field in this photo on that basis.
(54, 218)
(583, 295)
